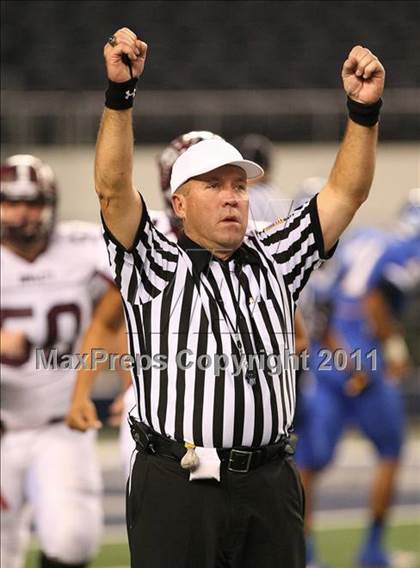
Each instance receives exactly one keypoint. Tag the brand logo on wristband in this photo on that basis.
(128, 94)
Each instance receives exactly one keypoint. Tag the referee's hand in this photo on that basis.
(363, 76)
(124, 42)
(82, 415)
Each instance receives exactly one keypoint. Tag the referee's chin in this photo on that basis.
(232, 239)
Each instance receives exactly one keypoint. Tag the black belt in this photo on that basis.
(239, 460)
(56, 419)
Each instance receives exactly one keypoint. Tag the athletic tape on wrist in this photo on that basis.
(365, 115)
(120, 96)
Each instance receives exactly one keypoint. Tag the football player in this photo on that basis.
(52, 277)
(360, 303)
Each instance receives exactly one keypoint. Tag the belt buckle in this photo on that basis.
(241, 454)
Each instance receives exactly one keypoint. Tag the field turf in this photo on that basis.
(337, 548)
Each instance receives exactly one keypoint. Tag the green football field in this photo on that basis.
(337, 548)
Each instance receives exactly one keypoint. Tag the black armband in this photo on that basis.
(120, 96)
(366, 115)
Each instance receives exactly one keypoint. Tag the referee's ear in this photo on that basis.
(178, 200)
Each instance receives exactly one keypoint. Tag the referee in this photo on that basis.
(213, 483)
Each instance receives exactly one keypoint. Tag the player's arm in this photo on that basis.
(120, 203)
(351, 176)
(103, 333)
(386, 328)
(116, 408)
(301, 335)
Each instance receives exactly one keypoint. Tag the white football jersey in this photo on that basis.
(51, 301)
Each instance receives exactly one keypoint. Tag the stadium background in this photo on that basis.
(231, 67)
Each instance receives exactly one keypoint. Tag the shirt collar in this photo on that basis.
(202, 257)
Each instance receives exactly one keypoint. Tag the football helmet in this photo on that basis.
(167, 159)
(25, 178)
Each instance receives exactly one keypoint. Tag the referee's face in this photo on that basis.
(214, 207)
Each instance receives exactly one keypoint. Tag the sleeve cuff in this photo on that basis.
(144, 218)
(316, 227)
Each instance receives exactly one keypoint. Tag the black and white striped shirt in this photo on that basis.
(181, 305)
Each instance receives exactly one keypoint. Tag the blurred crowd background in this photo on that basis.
(271, 67)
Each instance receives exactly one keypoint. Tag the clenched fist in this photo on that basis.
(363, 76)
(125, 42)
(82, 415)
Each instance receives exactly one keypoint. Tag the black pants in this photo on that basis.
(252, 519)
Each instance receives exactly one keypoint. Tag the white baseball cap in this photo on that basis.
(206, 156)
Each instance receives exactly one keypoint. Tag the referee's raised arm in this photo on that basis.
(121, 205)
(351, 177)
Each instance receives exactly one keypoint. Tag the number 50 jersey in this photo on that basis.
(48, 303)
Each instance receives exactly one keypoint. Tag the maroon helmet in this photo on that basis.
(167, 159)
(25, 178)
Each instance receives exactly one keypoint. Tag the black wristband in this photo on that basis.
(120, 96)
(366, 115)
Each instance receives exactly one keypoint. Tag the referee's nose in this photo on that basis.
(230, 195)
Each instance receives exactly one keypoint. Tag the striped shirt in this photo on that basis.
(190, 313)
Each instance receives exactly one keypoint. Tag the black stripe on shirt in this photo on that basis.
(183, 333)
(199, 381)
(239, 384)
(132, 286)
(144, 343)
(219, 387)
(253, 348)
(157, 269)
(147, 285)
(284, 230)
(119, 263)
(165, 312)
(283, 378)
